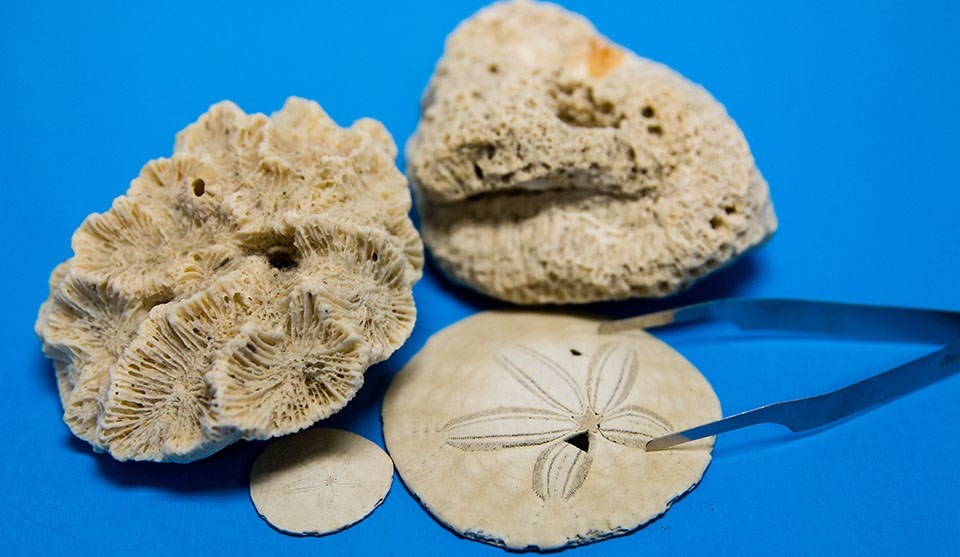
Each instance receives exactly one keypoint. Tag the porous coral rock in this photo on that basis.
(238, 290)
(554, 166)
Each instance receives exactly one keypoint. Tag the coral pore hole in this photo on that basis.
(281, 259)
(199, 187)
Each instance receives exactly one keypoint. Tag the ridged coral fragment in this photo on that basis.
(239, 289)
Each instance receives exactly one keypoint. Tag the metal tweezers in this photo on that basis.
(860, 321)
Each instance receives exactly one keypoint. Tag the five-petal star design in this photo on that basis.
(570, 419)
(329, 481)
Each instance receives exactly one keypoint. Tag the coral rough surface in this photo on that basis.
(238, 290)
(553, 166)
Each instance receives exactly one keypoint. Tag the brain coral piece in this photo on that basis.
(238, 290)
(553, 166)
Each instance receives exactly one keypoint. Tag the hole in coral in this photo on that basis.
(478, 171)
(576, 352)
(585, 118)
(655, 130)
(716, 222)
(648, 112)
(375, 257)
(281, 259)
(493, 68)
(277, 249)
(577, 106)
(730, 210)
(199, 187)
(158, 301)
(580, 441)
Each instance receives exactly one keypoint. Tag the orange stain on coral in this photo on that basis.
(602, 58)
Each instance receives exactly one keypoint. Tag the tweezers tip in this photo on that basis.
(646, 321)
(664, 442)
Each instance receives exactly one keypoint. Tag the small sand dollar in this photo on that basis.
(319, 481)
(526, 429)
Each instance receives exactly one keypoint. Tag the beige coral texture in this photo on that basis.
(552, 166)
(238, 290)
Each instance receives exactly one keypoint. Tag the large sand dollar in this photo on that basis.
(526, 429)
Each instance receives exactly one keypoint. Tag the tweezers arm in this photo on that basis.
(832, 318)
(813, 412)
(762, 415)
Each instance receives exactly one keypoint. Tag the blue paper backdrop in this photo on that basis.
(851, 110)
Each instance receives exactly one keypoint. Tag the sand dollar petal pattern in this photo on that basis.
(543, 378)
(319, 481)
(633, 426)
(507, 427)
(525, 429)
(560, 471)
(613, 370)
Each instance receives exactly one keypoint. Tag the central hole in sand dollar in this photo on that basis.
(580, 441)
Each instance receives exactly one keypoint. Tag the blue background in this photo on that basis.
(851, 111)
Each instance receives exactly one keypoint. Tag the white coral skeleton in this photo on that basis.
(238, 290)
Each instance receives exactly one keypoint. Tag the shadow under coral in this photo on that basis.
(728, 281)
(229, 469)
